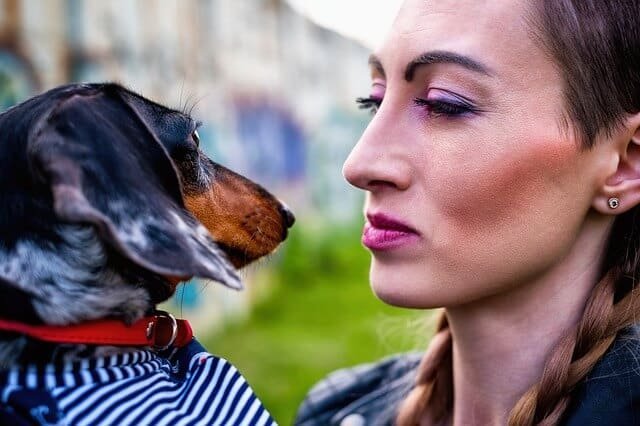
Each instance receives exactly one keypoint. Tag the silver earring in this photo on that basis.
(614, 202)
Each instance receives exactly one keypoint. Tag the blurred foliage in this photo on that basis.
(318, 315)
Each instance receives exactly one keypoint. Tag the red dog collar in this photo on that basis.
(159, 331)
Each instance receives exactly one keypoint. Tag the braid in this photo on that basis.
(580, 35)
(577, 353)
(571, 360)
(434, 382)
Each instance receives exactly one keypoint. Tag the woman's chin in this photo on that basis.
(399, 289)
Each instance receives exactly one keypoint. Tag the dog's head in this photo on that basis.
(106, 201)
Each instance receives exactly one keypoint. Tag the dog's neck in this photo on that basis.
(74, 278)
(70, 281)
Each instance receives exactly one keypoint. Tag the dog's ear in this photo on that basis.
(105, 167)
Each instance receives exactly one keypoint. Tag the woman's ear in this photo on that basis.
(621, 190)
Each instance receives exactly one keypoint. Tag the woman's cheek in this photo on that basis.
(522, 181)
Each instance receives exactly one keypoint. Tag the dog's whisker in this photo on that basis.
(182, 299)
(181, 90)
(197, 101)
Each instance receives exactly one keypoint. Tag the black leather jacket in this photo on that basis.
(370, 394)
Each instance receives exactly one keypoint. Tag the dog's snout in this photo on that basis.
(288, 216)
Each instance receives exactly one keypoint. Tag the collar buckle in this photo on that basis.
(162, 330)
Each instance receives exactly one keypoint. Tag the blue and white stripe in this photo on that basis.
(141, 388)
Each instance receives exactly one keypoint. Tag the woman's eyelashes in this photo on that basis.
(370, 103)
(441, 102)
(441, 107)
(438, 102)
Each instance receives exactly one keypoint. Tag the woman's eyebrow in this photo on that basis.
(445, 57)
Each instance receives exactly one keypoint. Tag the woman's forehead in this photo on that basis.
(503, 11)
(497, 33)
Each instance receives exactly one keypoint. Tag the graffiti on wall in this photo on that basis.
(272, 141)
(15, 83)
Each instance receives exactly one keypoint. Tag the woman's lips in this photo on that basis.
(382, 232)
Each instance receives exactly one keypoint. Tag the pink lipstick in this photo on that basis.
(382, 232)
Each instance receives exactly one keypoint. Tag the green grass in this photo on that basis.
(318, 315)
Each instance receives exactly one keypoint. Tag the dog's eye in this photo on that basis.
(196, 138)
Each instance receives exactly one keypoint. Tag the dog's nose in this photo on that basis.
(289, 218)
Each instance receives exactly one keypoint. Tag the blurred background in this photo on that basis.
(274, 82)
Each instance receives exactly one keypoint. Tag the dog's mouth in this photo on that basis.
(246, 221)
(246, 237)
(238, 257)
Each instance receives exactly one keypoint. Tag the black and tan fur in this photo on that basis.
(106, 201)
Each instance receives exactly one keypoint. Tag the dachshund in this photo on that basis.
(106, 204)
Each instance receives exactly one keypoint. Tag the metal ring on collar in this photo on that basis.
(151, 330)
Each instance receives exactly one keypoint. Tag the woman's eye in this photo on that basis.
(439, 107)
(441, 102)
(196, 138)
(370, 103)
(450, 106)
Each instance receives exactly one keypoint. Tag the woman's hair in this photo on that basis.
(596, 46)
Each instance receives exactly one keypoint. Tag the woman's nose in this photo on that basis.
(378, 160)
(355, 169)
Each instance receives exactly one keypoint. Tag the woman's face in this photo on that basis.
(473, 183)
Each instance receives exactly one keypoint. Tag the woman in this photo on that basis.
(502, 171)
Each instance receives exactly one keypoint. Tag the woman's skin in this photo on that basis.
(480, 198)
